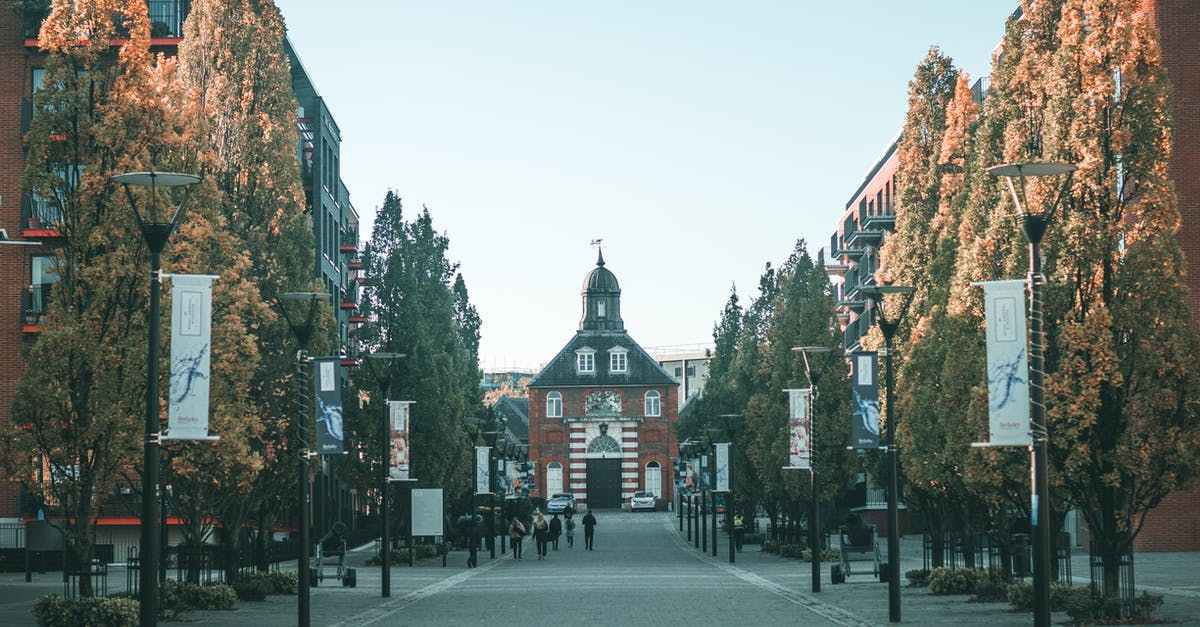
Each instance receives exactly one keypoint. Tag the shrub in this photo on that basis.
(182, 597)
(1145, 605)
(753, 538)
(943, 580)
(770, 546)
(1020, 595)
(285, 581)
(1078, 601)
(254, 588)
(917, 578)
(55, 610)
(991, 587)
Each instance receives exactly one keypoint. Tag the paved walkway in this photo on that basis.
(643, 571)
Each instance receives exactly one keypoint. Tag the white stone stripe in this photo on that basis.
(629, 475)
(578, 486)
(629, 464)
(578, 465)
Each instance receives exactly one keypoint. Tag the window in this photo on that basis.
(600, 313)
(678, 372)
(617, 362)
(604, 444)
(653, 479)
(42, 278)
(554, 405)
(585, 360)
(554, 478)
(653, 403)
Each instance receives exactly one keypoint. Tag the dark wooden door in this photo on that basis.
(604, 483)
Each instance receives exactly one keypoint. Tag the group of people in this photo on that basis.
(547, 532)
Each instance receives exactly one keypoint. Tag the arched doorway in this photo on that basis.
(604, 472)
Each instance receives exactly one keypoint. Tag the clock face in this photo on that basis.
(605, 402)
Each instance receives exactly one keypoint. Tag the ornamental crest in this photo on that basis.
(602, 403)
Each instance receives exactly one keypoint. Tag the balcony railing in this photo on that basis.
(40, 213)
(34, 302)
(166, 18)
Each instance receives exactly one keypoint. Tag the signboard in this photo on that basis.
(398, 462)
(724, 482)
(427, 516)
(191, 354)
(1007, 363)
(864, 387)
(483, 471)
(799, 430)
(328, 392)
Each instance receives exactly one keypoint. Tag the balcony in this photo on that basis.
(349, 245)
(864, 236)
(41, 217)
(34, 302)
(166, 21)
(880, 222)
(348, 305)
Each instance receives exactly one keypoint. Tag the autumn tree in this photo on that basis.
(79, 403)
(234, 74)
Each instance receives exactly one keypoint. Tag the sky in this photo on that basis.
(699, 140)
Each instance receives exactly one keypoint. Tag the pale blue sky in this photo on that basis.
(700, 140)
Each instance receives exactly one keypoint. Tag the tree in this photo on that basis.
(78, 404)
(418, 305)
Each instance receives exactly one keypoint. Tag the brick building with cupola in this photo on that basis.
(602, 413)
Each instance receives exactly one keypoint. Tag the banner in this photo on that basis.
(865, 389)
(483, 471)
(328, 395)
(800, 430)
(398, 414)
(1007, 363)
(191, 352)
(723, 476)
(427, 513)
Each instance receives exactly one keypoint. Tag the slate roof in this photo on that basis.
(516, 413)
(641, 369)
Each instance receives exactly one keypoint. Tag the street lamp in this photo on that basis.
(814, 372)
(383, 377)
(302, 329)
(729, 507)
(889, 328)
(1034, 224)
(156, 229)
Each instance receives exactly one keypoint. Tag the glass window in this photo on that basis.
(554, 405)
(586, 361)
(653, 403)
(654, 479)
(617, 362)
(554, 478)
(600, 312)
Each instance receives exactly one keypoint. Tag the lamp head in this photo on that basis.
(1034, 216)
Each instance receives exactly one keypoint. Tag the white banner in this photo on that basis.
(398, 461)
(191, 353)
(1007, 363)
(723, 474)
(483, 474)
(427, 514)
(799, 430)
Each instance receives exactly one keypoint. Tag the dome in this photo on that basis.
(601, 279)
(601, 300)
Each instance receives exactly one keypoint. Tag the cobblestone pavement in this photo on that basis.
(642, 572)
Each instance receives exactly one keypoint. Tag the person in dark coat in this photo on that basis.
(569, 524)
(516, 533)
(471, 531)
(555, 531)
(541, 533)
(589, 530)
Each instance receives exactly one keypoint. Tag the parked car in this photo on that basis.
(641, 500)
(559, 502)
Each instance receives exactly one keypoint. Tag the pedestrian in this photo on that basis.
(516, 533)
(541, 532)
(589, 530)
(471, 531)
(555, 531)
(739, 530)
(570, 525)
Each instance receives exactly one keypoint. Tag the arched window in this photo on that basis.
(554, 405)
(653, 403)
(554, 479)
(604, 444)
(653, 479)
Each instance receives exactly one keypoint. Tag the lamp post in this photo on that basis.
(302, 329)
(1033, 225)
(382, 373)
(814, 372)
(156, 229)
(889, 328)
(729, 506)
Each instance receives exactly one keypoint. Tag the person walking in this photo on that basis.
(472, 533)
(516, 533)
(541, 532)
(555, 531)
(570, 525)
(589, 530)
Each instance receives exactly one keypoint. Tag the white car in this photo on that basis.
(641, 500)
(560, 502)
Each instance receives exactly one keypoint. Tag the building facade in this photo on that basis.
(25, 275)
(602, 413)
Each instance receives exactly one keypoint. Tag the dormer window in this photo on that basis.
(585, 361)
(618, 360)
